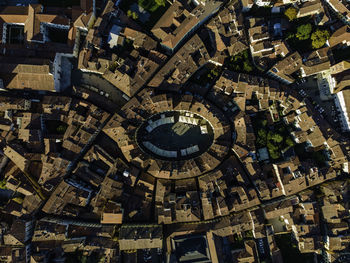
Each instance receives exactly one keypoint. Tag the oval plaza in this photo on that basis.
(175, 134)
(172, 135)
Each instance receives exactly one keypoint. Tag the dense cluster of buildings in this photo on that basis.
(137, 60)
(162, 167)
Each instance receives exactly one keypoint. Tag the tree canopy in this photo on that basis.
(289, 142)
(247, 67)
(277, 138)
(61, 129)
(151, 5)
(291, 13)
(304, 31)
(3, 184)
(319, 38)
(240, 62)
(132, 14)
(160, 2)
(261, 139)
(214, 73)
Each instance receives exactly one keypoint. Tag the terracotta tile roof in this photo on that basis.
(171, 31)
(342, 35)
(32, 17)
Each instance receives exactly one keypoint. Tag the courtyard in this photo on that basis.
(15, 34)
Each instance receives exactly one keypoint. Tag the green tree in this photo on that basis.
(240, 62)
(249, 234)
(132, 14)
(261, 140)
(289, 142)
(135, 16)
(215, 72)
(262, 133)
(277, 138)
(282, 129)
(271, 146)
(274, 154)
(3, 184)
(263, 123)
(61, 129)
(291, 13)
(304, 31)
(247, 67)
(246, 54)
(290, 35)
(160, 2)
(319, 38)
(146, 4)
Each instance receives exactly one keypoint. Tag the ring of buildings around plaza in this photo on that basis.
(174, 131)
(171, 136)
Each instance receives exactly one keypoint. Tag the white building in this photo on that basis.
(262, 2)
(113, 37)
(342, 103)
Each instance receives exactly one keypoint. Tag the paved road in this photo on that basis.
(95, 81)
(310, 87)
